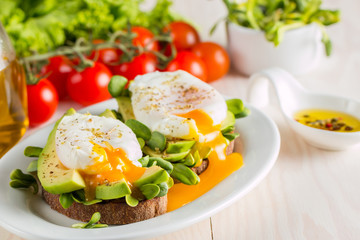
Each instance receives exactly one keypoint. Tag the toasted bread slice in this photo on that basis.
(117, 212)
(113, 212)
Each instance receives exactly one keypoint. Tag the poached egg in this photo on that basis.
(102, 149)
(180, 106)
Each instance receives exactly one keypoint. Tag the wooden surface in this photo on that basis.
(309, 193)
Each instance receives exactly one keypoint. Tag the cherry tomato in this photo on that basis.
(144, 63)
(42, 101)
(189, 62)
(144, 38)
(57, 72)
(105, 56)
(183, 34)
(90, 85)
(215, 58)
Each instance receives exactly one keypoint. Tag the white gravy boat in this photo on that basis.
(292, 97)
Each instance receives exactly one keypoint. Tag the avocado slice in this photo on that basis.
(152, 175)
(228, 123)
(113, 190)
(179, 146)
(125, 108)
(190, 160)
(52, 175)
(108, 113)
(171, 157)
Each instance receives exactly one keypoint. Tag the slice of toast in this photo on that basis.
(117, 212)
(113, 212)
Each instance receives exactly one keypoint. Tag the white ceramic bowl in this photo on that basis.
(292, 97)
(298, 53)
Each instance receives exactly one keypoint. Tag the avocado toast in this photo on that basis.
(106, 178)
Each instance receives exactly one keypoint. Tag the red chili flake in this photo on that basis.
(328, 125)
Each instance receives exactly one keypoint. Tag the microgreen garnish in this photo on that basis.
(230, 136)
(117, 85)
(66, 200)
(184, 174)
(131, 201)
(237, 107)
(79, 196)
(93, 223)
(22, 180)
(274, 18)
(31, 151)
(140, 129)
(157, 141)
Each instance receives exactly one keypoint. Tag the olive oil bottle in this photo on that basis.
(13, 98)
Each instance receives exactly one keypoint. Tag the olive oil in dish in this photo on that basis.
(328, 120)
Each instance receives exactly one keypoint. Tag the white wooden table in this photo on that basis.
(310, 193)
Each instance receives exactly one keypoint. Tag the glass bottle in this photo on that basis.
(13, 98)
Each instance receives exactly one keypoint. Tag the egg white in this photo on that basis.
(158, 97)
(77, 134)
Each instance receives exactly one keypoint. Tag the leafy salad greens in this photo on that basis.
(275, 17)
(43, 25)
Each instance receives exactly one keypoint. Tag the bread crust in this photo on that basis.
(112, 212)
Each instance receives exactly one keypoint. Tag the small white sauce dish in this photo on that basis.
(292, 97)
(298, 53)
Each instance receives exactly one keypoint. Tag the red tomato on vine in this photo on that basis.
(215, 58)
(57, 72)
(42, 101)
(189, 62)
(144, 38)
(90, 85)
(144, 63)
(184, 35)
(105, 56)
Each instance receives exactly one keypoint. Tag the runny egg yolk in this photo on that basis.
(220, 165)
(111, 165)
(211, 133)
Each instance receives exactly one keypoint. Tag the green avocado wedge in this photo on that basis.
(179, 146)
(228, 124)
(125, 108)
(53, 177)
(108, 113)
(152, 175)
(113, 190)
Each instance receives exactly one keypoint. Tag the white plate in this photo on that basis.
(30, 217)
